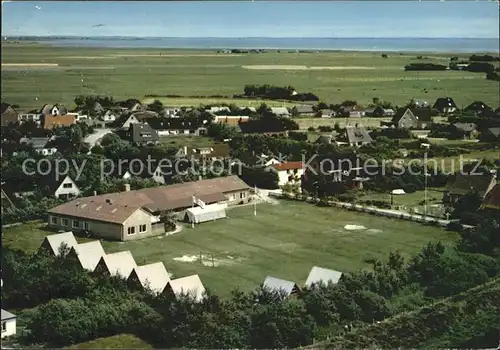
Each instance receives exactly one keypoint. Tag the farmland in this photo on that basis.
(33, 74)
(284, 240)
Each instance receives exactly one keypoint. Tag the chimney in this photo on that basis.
(185, 150)
(126, 187)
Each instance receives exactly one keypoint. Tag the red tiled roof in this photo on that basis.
(288, 166)
(51, 121)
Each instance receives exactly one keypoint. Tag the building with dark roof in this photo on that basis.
(445, 105)
(8, 114)
(478, 108)
(491, 201)
(413, 118)
(461, 184)
(136, 214)
(142, 134)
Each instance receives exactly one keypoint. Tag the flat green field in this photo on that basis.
(284, 240)
(126, 73)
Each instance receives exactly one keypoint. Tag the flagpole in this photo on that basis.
(192, 220)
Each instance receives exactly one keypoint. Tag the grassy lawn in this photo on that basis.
(121, 341)
(187, 101)
(125, 73)
(369, 122)
(284, 240)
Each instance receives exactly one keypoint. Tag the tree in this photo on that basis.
(156, 106)
(110, 139)
(483, 239)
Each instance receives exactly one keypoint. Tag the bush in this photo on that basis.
(424, 67)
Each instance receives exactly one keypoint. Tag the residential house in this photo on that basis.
(213, 152)
(230, 119)
(320, 275)
(8, 114)
(88, 254)
(8, 324)
(278, 285)
(469, 129)
(461, 184)
(288, 172)
(491, 201)
(6, 201)
(97, 109)
(54, 110)
(327, 113)
(379, 111)
(189, 285)
(170, 112)
(356, 136)
(280, 111)
(41, 145)
(51, 121)
(31, 116)
(478, 108)
(445, 105)
(413, 118)
(138, 108)
(119, 264)
(61, 186)
(142, 134)
(303, 110)
(54, 243)
(357, 113)
(217, 109)
(130, 215)
(153, 277)
(124, 121)
(176, 126)
(144, 116)
(491, 134)
(109, 116)
(420, 103)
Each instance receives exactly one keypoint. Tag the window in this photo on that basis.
(65, 222)
(85, 225)
(131, 230)
(142, 228)
(76, 224)
(53, 220)
(243, 195)
(67, 185)
(4, 327)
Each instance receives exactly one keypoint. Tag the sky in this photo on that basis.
(328, 19)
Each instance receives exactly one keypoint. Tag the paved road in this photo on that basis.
(97, 136)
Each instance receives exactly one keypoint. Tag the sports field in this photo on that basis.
(33, 74)
(284, 240)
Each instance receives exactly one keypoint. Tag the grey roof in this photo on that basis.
(358, 134)
(304, 109)
(7, 315)
(322, 275)
(467, 127)
(280, 110)
(495, 131)
(35, 142)
(143, 133)
(279, 285)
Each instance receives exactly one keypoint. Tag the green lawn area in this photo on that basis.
(121, 341)
(189, 101)
(126, 73)
(284, 240)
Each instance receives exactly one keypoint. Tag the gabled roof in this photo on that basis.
(424, 114)
(288, 166)
(280, 110)
(54, 121)
(89, 254)
(36, 142)
(478, 106)
(153, 276)
(358, 134)
(217, 150)
(55, 241)
(321, 275)
(119, 264)
(85, 208)
(4, 107)
(444, 102)
(53, 182)
(145, 115)
(232, 120)
(7, 315)
(467, 127)
(464, 183)
(139, 132)
(304, 109)
(278, 285)
(46, 109)
(187, 285)
(495, 132)
(492, 199)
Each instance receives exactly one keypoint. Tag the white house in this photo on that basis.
(130, 120)
(289, 172)
(109, 116)
(8, 324)
(64, 188)
(30, 117)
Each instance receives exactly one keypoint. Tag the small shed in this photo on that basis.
(53, 243)
(320, 275)
(189, 285)
(209, 212)
(8, 324)
(273, 284)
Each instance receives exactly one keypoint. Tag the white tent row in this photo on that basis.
(207, 213)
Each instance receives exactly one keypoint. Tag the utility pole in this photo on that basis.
(425, 192)
(255, 202)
